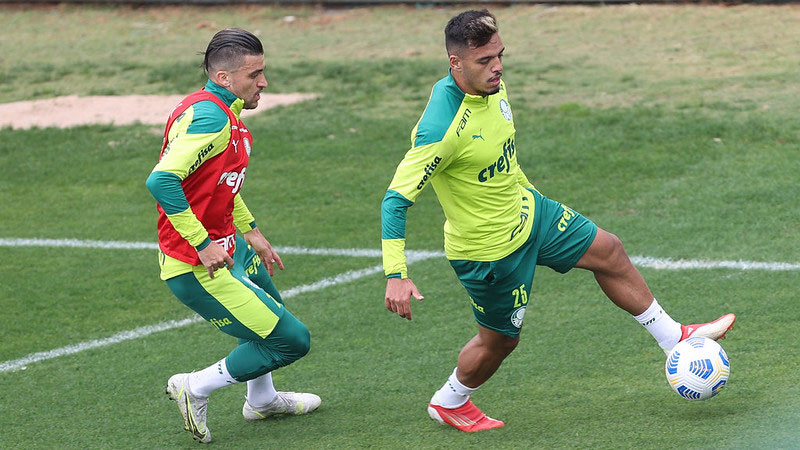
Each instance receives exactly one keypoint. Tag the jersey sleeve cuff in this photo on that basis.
(394, 260)
(203, 244)
(247, 227)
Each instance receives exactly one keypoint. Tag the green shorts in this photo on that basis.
(500, 290)
(242, 302)
(246, 262)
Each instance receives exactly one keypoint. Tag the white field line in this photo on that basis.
(76, 243)
(21, 363)
(641, 261)
(412, 256)
(669, 264)
(122, 245)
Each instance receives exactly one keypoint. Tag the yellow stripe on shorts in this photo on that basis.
(237, 298)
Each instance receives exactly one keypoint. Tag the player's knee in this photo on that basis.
(302, 341)
(502, 344)
(612, 254)
(509, 344)
(291, 343)
(297, 340)
(616, 250)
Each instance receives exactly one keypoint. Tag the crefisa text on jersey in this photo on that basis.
(233, 179)
(503, 163)
(429, 168)
(200, 155)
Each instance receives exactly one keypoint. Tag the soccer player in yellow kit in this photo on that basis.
(499, 227)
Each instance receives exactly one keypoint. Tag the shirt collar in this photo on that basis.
(467, 97)
(227, 97)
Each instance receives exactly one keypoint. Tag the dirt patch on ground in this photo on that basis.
(70, 111)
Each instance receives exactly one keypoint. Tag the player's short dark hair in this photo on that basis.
(228, 47)
(470, 28)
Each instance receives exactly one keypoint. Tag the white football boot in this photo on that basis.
(192, 407)
(294, 403)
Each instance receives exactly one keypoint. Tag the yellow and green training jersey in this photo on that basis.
(463, 145)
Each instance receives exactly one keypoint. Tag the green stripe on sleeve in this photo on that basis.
(166, 189)
(443, 104)
(203, 244)
(393, 215)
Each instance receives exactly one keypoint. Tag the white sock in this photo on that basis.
(261, 391)
(665, 330)
(204, 382)
(453, 394)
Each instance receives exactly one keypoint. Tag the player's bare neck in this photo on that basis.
(463, 85)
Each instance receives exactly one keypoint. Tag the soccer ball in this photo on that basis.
(697, 368)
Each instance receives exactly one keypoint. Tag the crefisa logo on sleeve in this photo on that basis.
(429, 168)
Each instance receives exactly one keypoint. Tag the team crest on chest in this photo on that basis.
(247, 145)
(505, 109)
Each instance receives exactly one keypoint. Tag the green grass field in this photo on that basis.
(675, 127)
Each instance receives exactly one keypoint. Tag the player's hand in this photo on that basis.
(215, 257)
(398, 296)
(264, 250)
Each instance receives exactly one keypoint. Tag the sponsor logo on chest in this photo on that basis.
(503, 163)
(233, 179)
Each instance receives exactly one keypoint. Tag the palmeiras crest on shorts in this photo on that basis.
(247, 146)
(517, 316)
(505, 109)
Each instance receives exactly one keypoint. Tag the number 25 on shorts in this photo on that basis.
(520, 296)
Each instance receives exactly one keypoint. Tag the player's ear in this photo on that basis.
(222, 78)
(455, 62)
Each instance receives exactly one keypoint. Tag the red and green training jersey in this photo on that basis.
(197, 180)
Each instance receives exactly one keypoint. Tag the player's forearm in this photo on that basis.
(166, 189)
(394, 259)
(242, 217)
(393, 233)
